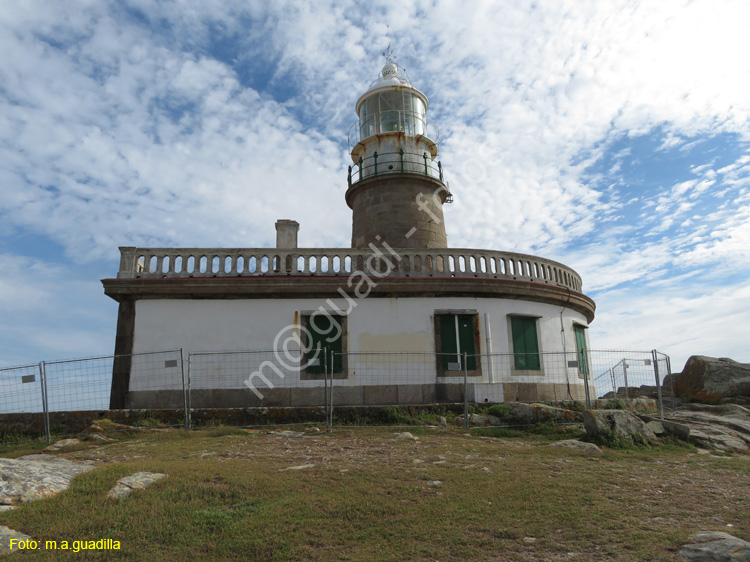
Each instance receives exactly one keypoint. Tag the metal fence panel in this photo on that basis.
(21, 390)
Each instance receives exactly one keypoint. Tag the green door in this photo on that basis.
(453, 349)
(327, 336)
(581, 351)
(525, 343)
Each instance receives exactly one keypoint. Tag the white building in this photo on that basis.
(396, 318)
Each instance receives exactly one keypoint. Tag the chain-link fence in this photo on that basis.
(29, 394)
(302, 387)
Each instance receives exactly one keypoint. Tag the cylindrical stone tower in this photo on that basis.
(396, 189)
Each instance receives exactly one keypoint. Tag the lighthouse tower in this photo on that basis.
(396, 189)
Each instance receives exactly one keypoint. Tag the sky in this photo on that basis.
(612, 136)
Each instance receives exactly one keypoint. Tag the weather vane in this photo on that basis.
(388, 54)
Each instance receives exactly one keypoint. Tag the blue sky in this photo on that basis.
(611, 136)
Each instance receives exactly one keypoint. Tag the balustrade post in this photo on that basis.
(401, 154)
(375, 156)
(440, 170)
(349, 176)
(426, 173)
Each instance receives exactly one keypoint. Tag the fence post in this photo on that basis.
(330, 407)
(184, 389)
(188, 410)
(625, 377)
(466, 395)
(45, 404)
(586, 375)
(325, 395)
(655, 359)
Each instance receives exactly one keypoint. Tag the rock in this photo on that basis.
(529, 540)
(601, 424)
(656, 427)
(708, 379)
(314, 429)
(35, 477)
(407, 435)
(137, 481)
(578, 446)
(725, 427)
(434, 483)
(442, 422)
(62, 443)
(299, 467)
(717, 440)
(288, 433)
(712, 546)
(535, 413)
(5, 535)
(93, 428)
(99, 437)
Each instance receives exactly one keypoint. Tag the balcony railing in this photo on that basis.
(395, 163)
(173, 263)
(396, 121)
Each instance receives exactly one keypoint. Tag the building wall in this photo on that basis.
(379, 333)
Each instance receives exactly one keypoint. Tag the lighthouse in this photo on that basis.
(400, 317)
(395, 188)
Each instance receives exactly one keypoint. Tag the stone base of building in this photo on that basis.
(379, 395)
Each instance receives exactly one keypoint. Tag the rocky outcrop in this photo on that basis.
(724, 427)
(714, 546)
(712, 380)
(538, 413)
(605, 425)
(582, 446)
(35, 477)
(5, 535)
(138, 481)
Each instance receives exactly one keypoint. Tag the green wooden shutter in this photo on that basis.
(448, 346)
(322, 329)
(525, 343)
(581, 352)
(466, 339)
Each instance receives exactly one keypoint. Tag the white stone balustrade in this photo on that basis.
(168, 263)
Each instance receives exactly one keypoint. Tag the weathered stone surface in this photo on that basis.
(35, 477)
(5, 535)
(536, 413)
(407, 435)
(62, 443)
(725, 427)
(709, 379)
(137, 481)
(713, 546)
(656, 426)
(578, 446)
(288, 433)
(602, 423)
(478, 419)
(298, 467)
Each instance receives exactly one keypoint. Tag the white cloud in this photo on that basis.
(199, 123)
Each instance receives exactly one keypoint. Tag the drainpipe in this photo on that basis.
(488, 339)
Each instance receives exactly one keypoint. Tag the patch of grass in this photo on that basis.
(613, 440)
(616, 404)
(224, 431)
(365, 499)
(499, 410)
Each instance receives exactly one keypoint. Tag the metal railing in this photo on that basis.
(400, 162)
(157, 263)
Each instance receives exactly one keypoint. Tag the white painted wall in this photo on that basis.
(380, 332)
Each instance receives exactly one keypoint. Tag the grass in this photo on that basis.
(227, 498)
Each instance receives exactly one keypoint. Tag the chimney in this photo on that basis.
(286, 234)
